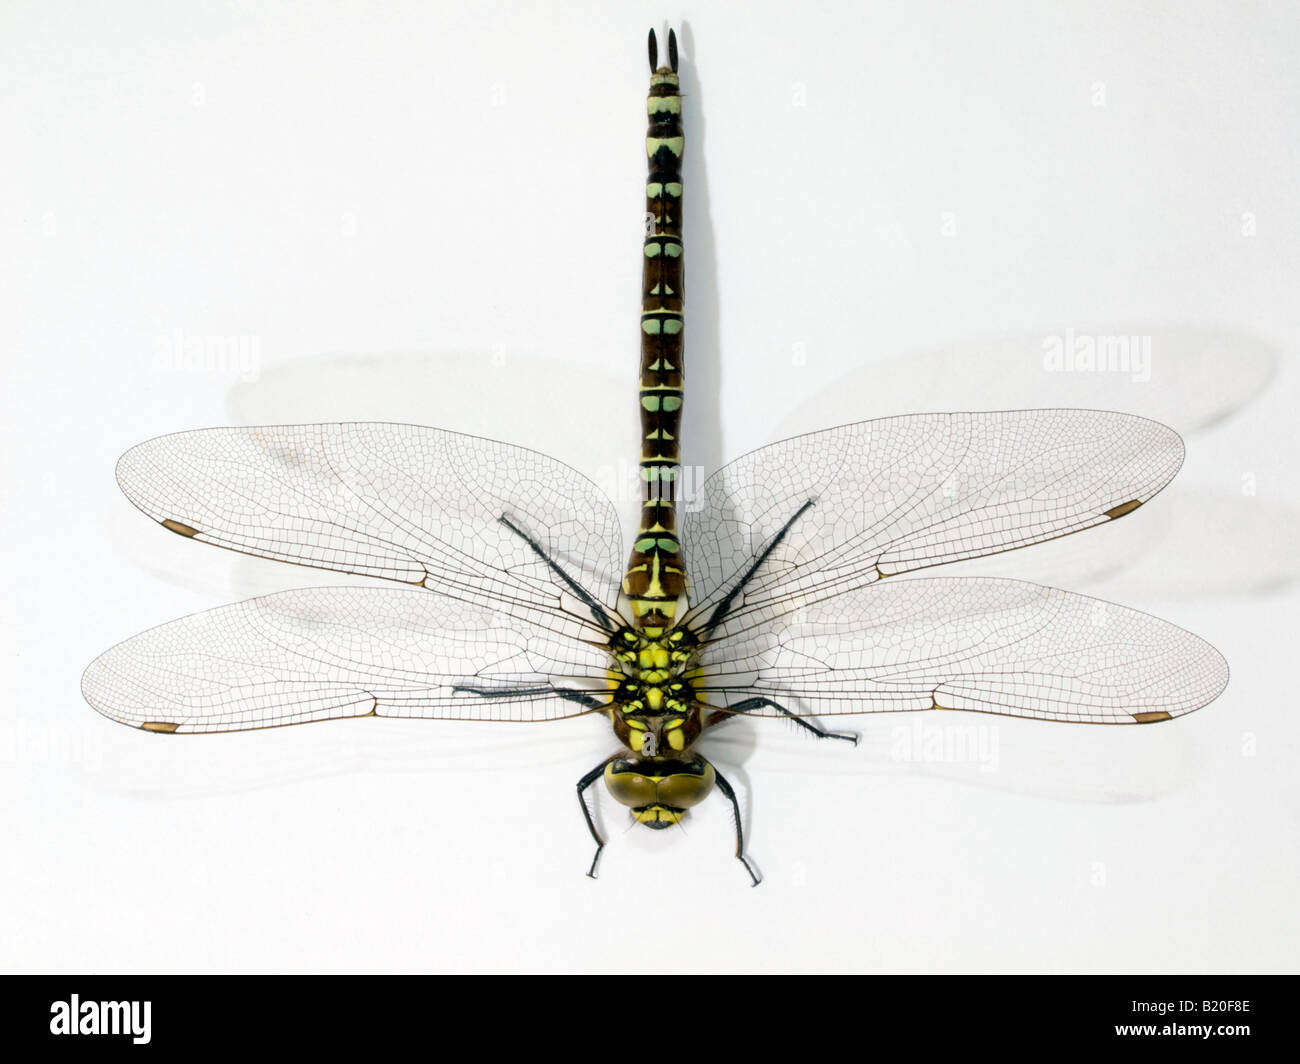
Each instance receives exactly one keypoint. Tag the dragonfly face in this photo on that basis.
(659, 791)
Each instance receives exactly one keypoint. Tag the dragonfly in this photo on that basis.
(783, 590)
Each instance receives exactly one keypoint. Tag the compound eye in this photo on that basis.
(685, 789)
(627, 785)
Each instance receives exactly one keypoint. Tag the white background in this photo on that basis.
(433, 213)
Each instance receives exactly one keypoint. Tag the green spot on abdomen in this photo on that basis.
(673, 144)
(665, 544)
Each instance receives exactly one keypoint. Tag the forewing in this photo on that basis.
(977, 644)
(885, 497)
(332, 652)
(418, 505)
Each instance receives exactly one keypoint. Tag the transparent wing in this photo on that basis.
(984, 645)
(442, 510)
(834, 511)
(332, 652)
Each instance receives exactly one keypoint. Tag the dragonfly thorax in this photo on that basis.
(653, 707)
(652, 653)
(655, 717)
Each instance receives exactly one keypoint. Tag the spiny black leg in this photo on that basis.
(730, 795)
(821, 733)
(721, 610)
(586, 781)
(597, 610)
(584, 698)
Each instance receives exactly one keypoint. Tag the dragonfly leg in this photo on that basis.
(586, 781)
(807, 725)
(723, 607)
(730, 794)
(584, 698)
(599, 612)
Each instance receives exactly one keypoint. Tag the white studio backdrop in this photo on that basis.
(432, 213)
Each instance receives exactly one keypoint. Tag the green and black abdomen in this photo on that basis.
(656, 575)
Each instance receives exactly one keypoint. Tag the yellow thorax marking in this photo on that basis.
(656, 587)
(654, 656)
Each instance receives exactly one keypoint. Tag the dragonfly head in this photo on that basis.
(659, 791)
